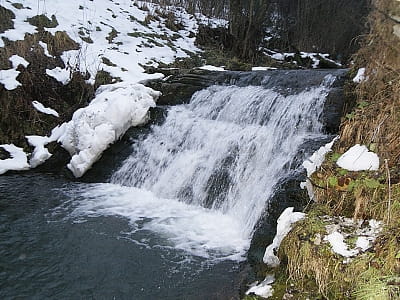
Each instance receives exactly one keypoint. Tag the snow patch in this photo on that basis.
(285, 222)
(46, 110)
(17, 162)
(212, 68)
(336, 240)
(358, 158)
(61, 75)
(45, 49)
(263, 289)
(360, 77)
(263, 68)
(114, 110)
(9, 79)
(341, 229)
(40, 154)
(17, 60)
(312, 163)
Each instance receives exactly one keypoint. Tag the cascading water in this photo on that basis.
(204, 177)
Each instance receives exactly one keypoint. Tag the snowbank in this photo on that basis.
(358, 158)
(17, 162)
(92, 129)
(285, 221)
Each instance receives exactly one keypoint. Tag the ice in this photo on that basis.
(358, 158)
(285, 222)
(46, 110)
(17, 162)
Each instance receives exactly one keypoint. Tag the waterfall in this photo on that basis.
(206, 175)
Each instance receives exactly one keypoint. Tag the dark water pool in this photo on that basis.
(44, 254)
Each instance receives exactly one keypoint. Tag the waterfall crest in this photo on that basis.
(226, 149)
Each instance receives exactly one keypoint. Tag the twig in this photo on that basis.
(390, 190)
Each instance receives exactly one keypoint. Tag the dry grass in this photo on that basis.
(378, 121)
(375, 122)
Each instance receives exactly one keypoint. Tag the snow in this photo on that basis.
(17, 60)
(46, 110)
(40, 154)
(136, 44)
(315, 57)
(285, 222)
(92, 129)
(212, 68)
(336, 240)
(263, 68)
(341, 229)
(358, 158)
(17, 162)
(45, 49)
(263, 289)
(312, 163)
(360, 77)
(61, 75)
(9, 79)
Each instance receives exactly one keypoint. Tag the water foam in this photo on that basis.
(203, 178)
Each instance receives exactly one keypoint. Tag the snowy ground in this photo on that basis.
(119, 37)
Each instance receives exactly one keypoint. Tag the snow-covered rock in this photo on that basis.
(17, 162)
(114, 110)
(358, 158)
(285, 222)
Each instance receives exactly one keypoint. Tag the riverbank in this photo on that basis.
(310, 266)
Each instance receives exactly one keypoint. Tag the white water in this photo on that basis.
(203, 179)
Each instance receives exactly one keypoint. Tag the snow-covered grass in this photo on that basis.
(317, 60)
(115, 37)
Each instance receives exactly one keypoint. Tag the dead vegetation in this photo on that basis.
(311, 268)
(17, 115)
